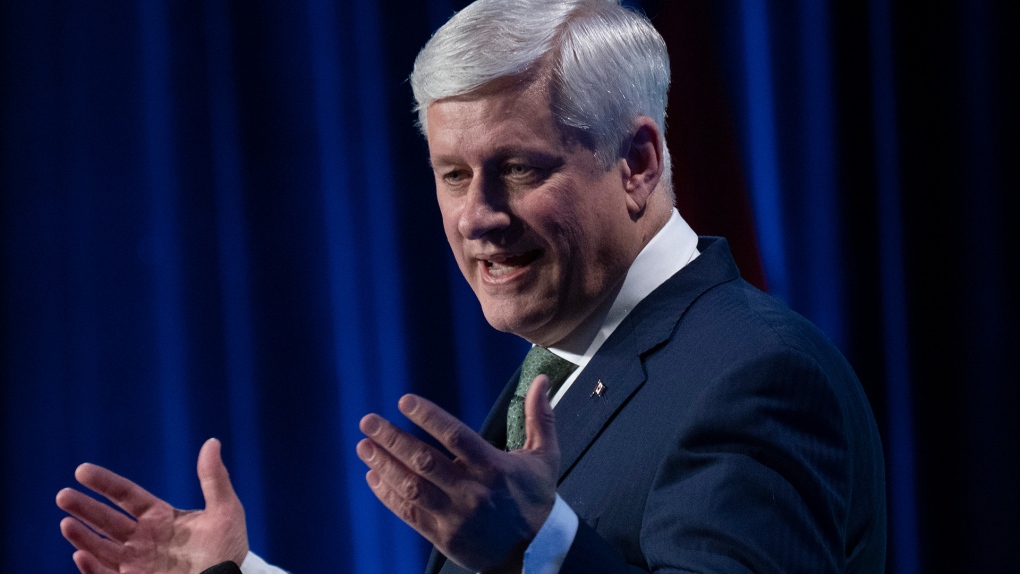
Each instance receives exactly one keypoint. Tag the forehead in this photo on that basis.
(483, 122)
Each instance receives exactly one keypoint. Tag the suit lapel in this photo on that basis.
(582, 413)
(494, 426)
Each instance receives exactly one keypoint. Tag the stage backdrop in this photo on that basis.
(217, 219)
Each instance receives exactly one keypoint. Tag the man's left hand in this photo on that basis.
(482, 508)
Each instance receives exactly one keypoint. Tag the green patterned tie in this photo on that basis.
(539, 361)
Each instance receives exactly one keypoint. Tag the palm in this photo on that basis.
(155, 538)
(168, 541)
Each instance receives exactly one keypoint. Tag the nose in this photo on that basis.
(484, 211)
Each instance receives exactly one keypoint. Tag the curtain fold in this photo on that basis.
(217, 219)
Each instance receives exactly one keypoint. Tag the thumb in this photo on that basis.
(539, 421)
(213, 476)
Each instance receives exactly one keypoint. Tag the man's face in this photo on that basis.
(541, 232)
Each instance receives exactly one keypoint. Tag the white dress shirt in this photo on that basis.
(254, 565)
(673, 247)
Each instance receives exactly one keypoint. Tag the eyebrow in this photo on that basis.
(500, 153)
(440, 161)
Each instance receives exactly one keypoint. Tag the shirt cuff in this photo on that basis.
(546, 553)
(254, 565)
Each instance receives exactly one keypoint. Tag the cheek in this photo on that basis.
(595, 256)
(449, 213)
(578, 229)
(453, 237)
(455, 241)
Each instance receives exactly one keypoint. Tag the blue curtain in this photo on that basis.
(217, 219)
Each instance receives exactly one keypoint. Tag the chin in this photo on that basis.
(527, 324)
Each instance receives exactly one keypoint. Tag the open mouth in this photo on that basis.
(503, 265)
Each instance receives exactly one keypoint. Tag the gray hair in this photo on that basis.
(606, 64)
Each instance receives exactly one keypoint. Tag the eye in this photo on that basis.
(454, 176)
(518, 175)
(517, 170)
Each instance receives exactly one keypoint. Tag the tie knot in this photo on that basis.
(542, 361)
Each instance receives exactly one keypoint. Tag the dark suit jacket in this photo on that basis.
(731, 437)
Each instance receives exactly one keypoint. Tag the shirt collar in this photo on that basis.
(673, 247)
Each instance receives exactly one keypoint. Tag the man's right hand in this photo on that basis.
(156, 538)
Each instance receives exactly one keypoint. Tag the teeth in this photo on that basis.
(500, 258)
(498, 269)
(502, 264)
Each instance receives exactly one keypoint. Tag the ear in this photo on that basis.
(643, 164)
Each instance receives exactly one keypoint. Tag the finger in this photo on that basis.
(98, 549)
(539, 420)
(87, 564)
(457, 437)
(411, 453)
(213, 475)
(410, 484)
(410, 513)
(100, 517)
(134, 499)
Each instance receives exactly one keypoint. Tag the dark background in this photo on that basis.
(217, 219)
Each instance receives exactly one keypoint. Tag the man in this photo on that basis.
(699, 425)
